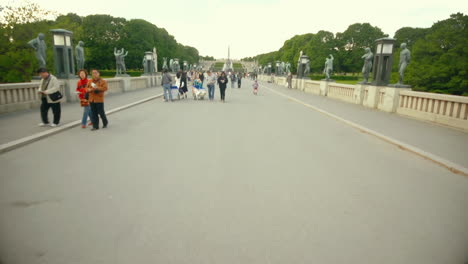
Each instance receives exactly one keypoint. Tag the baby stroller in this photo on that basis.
(198, 91)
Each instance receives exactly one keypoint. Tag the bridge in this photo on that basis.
(287, 176)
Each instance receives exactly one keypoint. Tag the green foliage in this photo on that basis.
(335, 77)
(439, 61)
(111, 73)
(439, 54)
(100, 33)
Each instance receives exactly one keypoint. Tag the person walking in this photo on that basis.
(201, 76)
(183, 87)
(96, 89)
(49, 86)
(210, 82)
(289, 80)
(83, 96)
(222, 83)
(239, 80)
(255, 87)
(166, 83)
(233, 79)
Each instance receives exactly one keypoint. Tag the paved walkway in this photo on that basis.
(446, 142)
(259, 179)
(22, 124)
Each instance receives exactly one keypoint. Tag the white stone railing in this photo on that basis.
(440, 108)
(22, 96)
(312, 87)
(114, 85)
(343, 92)
(138, 83)
(449, 110)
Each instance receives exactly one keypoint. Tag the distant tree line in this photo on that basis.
(439, 60)
(100, 33)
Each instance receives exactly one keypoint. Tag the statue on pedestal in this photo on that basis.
(40, 47)
(80, 58)
(120, 61)
(328, 67)
(405, 56)
(368, 57)
(288, 68)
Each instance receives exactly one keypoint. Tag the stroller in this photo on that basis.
(197, 90)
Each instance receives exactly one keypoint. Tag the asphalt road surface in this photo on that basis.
(258, 179)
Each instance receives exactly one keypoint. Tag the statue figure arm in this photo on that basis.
(33, 44)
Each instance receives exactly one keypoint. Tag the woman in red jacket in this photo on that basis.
(83, 96)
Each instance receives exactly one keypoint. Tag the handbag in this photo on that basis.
(55, 96)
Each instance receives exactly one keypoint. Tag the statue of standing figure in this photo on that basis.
(288, 68)
(80, 57)
(328, 66)
(307, 69)
(405, 56)
(368, 57)
(165, 67)
(120, 61)
(40, 47)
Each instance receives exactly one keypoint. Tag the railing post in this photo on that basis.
(358, 96)
(324, 88)
(391, 99)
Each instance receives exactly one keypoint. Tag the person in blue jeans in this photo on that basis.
(210, 83)
(83, 96)
(166, 82)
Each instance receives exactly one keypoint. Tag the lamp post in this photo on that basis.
(383, 61)
(63, 54)
(149, 62)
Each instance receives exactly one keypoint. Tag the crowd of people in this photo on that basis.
(197, 80)
(90, 92)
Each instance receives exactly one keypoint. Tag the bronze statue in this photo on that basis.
(40, 47)
(405, 56)
(368, 57)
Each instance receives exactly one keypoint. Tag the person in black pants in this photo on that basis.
(96, 88)
(49, 85)
(222, 83)
(239, 80)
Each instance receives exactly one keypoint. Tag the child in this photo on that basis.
(255, 87)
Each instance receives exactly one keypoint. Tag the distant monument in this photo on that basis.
(120, 62)
(228, 67)
(368, 57)
(40, 47)
(80, 57)
(405, 56)
(328, 67)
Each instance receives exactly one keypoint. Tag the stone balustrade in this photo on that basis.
(440, 108)
(448, 110)
(22, 96)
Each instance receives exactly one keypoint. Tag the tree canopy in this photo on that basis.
(439, 54)
(100, 33)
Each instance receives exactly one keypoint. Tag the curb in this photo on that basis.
(453, 167)
(38, 136)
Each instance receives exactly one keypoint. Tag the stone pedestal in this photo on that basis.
(126, 84)
(391, 99)
(324, 88)
(372, 96)
(359, 91)
(70, 89)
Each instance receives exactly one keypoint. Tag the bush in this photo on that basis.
(335, 77)
(111, 73)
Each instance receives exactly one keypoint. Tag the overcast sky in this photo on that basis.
(252, 27)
